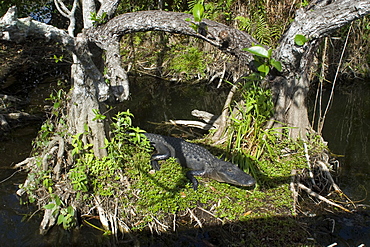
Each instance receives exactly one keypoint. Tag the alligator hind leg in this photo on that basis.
(163, 153)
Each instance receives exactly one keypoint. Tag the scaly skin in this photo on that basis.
(198, 159)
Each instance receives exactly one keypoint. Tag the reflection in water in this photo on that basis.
(347, 131)
(15, 228)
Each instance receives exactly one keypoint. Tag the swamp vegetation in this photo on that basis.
(74, 179)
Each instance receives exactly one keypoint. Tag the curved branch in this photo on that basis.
(107, 37)
(315, 24)
(17, 30)
(224, 37)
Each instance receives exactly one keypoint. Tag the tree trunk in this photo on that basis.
(290, 89)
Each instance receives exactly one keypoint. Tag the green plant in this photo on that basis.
(97, 20)
(263, 60)
(247, 139)
(58, 59)
(300, 39)
(190, 61)
(78, 177)
(219, 9)
(258, 27)
(212, 10)
(57, 100)
(304, 3)
(98, 116)
(66, 215)
(198, 15)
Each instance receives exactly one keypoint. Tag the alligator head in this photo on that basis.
(229, 173)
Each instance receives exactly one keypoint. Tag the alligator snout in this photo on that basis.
(229, 173)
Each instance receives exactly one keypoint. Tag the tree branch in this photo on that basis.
(316, 24)
(224, 37)
(70, 14)
(107, 37)
(17, 30)
(109, 7)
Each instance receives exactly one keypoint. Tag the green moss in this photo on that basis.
(188, 60)
(169, 191)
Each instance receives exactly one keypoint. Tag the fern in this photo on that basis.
(191, 3)
(258, 27)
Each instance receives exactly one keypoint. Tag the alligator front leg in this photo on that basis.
(190, 175)
(163, 153)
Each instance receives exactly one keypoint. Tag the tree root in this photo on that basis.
(49, 220)
(318, 183)
(322, 198)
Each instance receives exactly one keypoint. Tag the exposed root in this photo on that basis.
(48, 220)
(312, 193)
(318, 183)
(195, 217)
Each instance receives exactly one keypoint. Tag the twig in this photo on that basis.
(332, 245)
(123, 227)
(308, 164)
(46, 156)
(159, 223)
(49, 219)
(325, 169)
(102, 214)
(294, 191)
(312, 193)
(9, 177)
(195, 218)
(321, 124)
(192, 123)
(208, 212)
(29, 161)
(174, 222)
(225, 112)
(57, 167)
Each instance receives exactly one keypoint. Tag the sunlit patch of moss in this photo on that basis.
(169, 191)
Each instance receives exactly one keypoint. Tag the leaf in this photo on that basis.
(60, 219)
(49, 206)
(198, 11)
(269, 52)
(300, 39)
(58, 202)
(264, 69)
(276, 64)
(258, 50)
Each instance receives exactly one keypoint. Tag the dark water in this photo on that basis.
(346, 130)
(156, 101)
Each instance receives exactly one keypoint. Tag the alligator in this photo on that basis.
(198, 159)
